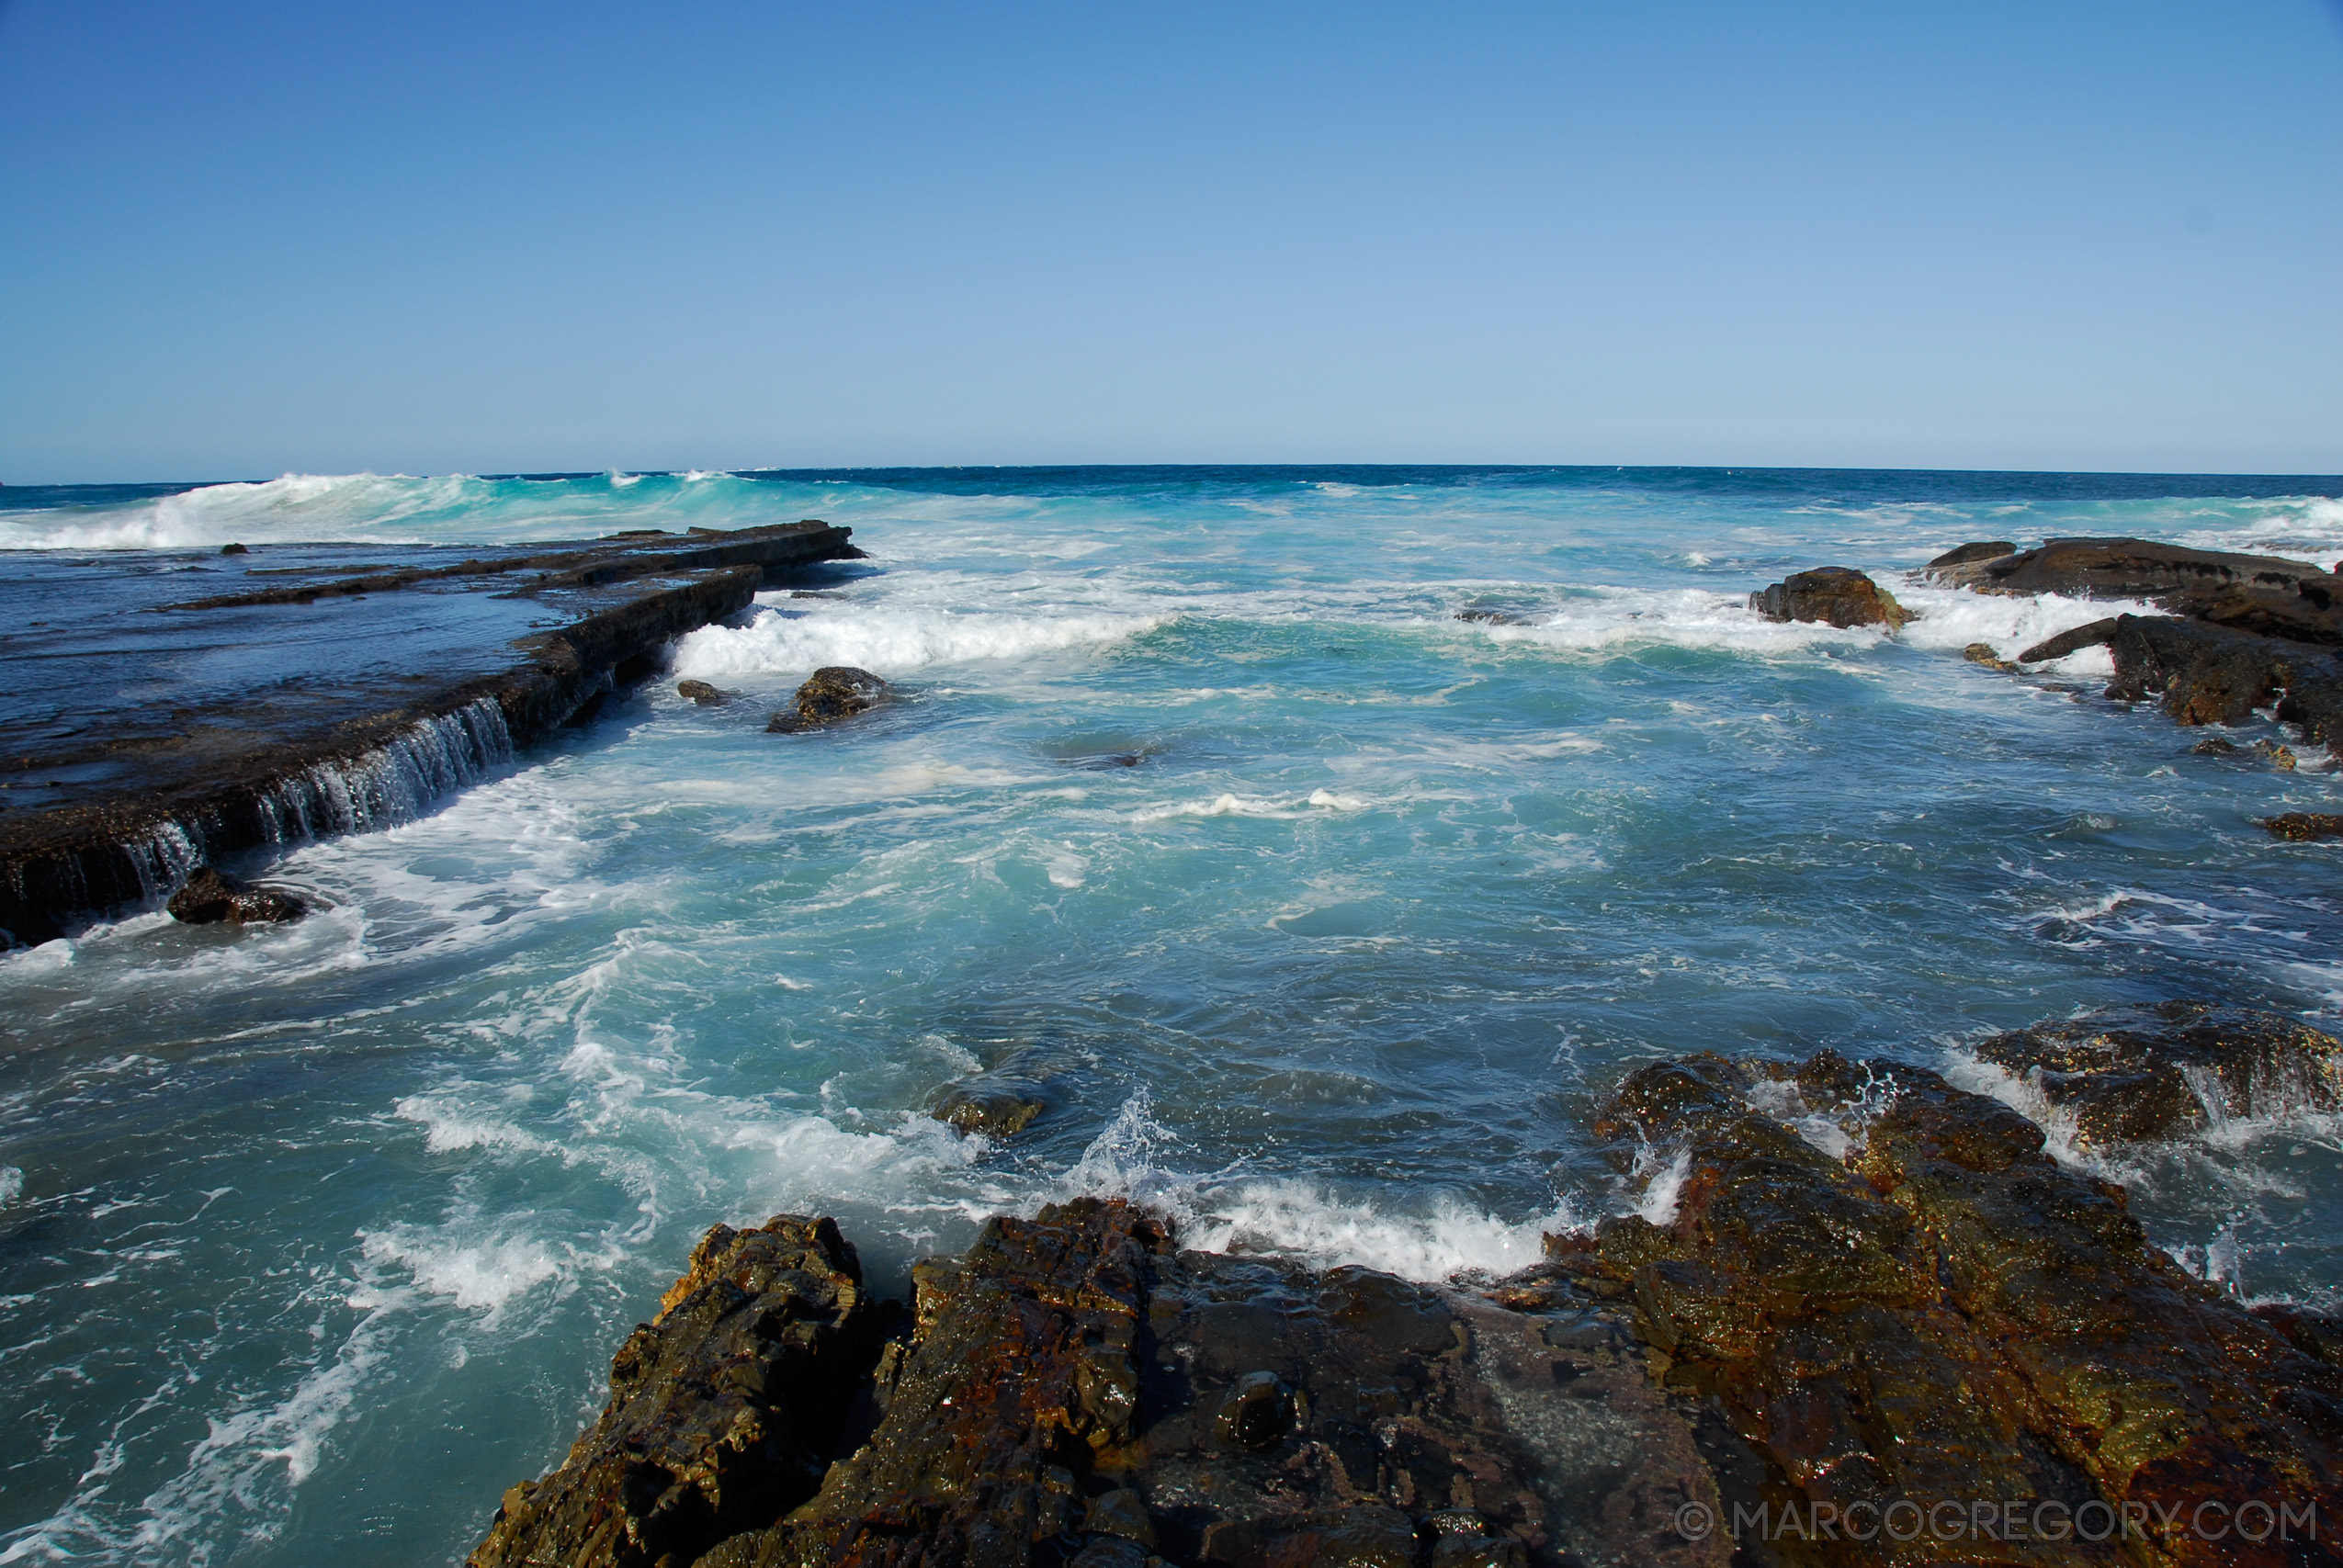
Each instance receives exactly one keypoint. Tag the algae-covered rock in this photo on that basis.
(1837, 595)
(830, 694)
(2163, 1072)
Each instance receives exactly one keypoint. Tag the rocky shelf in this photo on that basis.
(171, 706)
(1862, 1317)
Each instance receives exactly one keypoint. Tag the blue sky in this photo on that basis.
(249, 238)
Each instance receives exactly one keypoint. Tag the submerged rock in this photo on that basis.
(998, 1105)
(234, 550)
(1838, 595)
(2216, 746)
(702, 693)
(2304, 826)
(2158, 1073)
(209, 897)
(2277, 756)
(830, 694)
(1982, 653)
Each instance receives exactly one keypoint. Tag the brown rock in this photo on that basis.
(724, 1411)
(2277, 756)
(2071, 641)
(2304, 826)
(702, 693)
(1838, 595)
(1968, 555)
(2131, 569)
(1947, 1314)
(2146, 1074)
(830, 694)
(1982, 653)
(209, 897)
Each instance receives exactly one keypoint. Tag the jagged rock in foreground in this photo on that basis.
(1944, 1315)
(1078, 1389)
(831, 693)
(2304, 826)
(2158, 1073)
(723, 1413)
(1870, 1290)
(1838, 595)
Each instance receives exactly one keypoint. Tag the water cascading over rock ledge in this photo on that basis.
(159, 728)
(1850, 1289)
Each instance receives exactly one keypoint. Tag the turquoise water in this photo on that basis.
(315, 1239)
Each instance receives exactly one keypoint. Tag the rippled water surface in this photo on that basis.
(313, 1239)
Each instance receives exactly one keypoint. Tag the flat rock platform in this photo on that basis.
(162, 707)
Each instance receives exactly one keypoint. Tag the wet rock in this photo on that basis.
(2087, 636)
(2205, 674)
(1837, 595)
(2215, 746)
(830, 694)
(209, 897)
(2304, 826)
(1970, 554)
(1493, 618)
(1941, 1312)
(702, 693)
(1257, 1414)
(1077, 1389)
(998, 1105)
(233, 550)
(1982, 653)
(2276, 755)
(725, 1410)
(2168, 1071)
(2131, 569)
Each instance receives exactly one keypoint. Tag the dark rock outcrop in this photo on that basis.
(2133, 568)
(2205, 674)
(1869, 1291)
(1076, 1389)
(209, 897)
(724, 1412)
(1944, 1315)
(2164, 1072)
(2304, 826)
(2089, 635)
(1838, 595)
(1970, 554)
(831, 693)
(702, 693)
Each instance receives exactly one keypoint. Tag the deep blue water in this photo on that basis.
(316, 1238)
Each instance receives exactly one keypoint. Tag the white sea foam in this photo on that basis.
(891, 641)
(12, 1184)
(1604, 618)
(1131, 1157)
(1950, 619)
(478, 1275)
(1228, 804)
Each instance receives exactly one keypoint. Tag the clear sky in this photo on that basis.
(243, 238)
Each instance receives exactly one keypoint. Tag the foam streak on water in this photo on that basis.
(1325, 844)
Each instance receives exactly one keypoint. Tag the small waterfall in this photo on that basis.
(395, 784)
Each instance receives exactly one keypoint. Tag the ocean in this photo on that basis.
(1324, 915)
